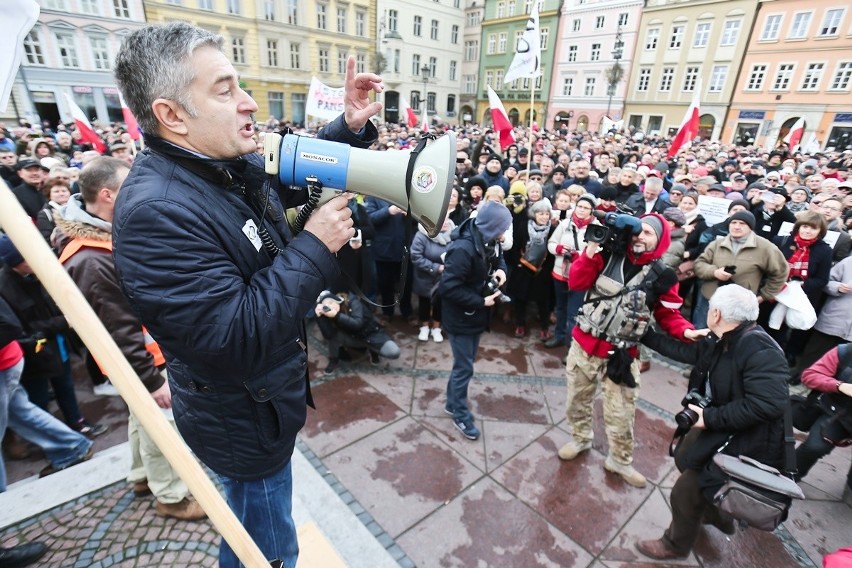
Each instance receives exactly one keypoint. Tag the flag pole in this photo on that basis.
(530, 137)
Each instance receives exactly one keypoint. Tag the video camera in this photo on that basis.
(617, 229)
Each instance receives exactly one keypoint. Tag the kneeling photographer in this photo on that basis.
(736, 399)
(625, 283)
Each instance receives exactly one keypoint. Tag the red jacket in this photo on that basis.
(822, 375)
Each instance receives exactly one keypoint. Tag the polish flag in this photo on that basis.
(500, 119)
(409, 112)
(689, 127)
(87, 133)
(424, 127)
(795, 135)
(129, 120)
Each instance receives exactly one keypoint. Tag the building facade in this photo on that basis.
(473, 14)
(681, 47)
(798, 65)
(594, 54)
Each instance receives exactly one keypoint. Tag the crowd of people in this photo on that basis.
(595, 244)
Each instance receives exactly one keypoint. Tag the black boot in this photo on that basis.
(331, 367)
(22, 555)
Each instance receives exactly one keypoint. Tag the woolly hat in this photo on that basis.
(742, 202)
(745, 216)
(590, 199)
(805, 190)
(493, 156)
(558, 170)
(9, 255)
(654, 222)
(717, 187)
(492, 220)
(674, 215)
(662, 167)
(518, 187)
(477, 181)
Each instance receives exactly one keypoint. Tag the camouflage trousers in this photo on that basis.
(584, 372)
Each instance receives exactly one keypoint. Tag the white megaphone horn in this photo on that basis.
(340, 167)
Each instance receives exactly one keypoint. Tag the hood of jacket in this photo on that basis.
(77, 223)
(665, 241)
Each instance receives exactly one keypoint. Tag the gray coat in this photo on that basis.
(426, 258)
(834, 317)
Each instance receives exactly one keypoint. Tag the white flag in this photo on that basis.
(527, 61)
(21, 16)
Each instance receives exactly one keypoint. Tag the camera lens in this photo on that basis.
(686, 418)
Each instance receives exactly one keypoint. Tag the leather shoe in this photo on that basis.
(185, 510)
(50, 469)
(553, 342)
(23, 555)
(141, 488)
(658, 550)
(644, 366)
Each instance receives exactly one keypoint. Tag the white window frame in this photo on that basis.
(756, 77)
(701, 38)
(812, 77)
(830, 27)
(772, 27)
(643, 83)
(842, 77)
(800, 24)
(652, 39)
(783, 77)
(730, 32)
(676, 39)
(666, 79)
(718, 77)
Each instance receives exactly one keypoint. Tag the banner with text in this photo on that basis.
(323, 101)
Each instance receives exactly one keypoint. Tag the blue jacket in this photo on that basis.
(227, 315)
(389, 240)
(466, 268)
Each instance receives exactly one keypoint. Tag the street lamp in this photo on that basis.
(615, 73)
(425, 71)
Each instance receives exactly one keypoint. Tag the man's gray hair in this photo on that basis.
(654, 182)
(154, 62)
(99, 173)
(735, 303)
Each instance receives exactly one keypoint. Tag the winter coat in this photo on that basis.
(565, 243)
(819, 266)
(768, 228)
(389, 239)
(674, 255)
(834, 317)
(760, 266)
(637, 203)
(426, 258)
(356, 320)
(227, 313)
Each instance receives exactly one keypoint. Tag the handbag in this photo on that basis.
(755, 494)
(805, 410)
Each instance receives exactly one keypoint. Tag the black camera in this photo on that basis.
(492, 286)
(514, 199)
(617, 229)
(687, 417)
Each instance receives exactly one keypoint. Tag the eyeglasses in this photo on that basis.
(675, 193)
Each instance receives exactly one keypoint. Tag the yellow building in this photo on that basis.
(276, 51)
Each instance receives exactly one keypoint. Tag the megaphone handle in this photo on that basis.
(314, 194)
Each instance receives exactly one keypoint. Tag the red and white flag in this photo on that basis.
(795, 135)
(87, 133)
(407, 111)
(424, 126)
(689, 127)
(500, 119)
(129, 120)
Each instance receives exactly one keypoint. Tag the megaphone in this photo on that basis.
(424, 186)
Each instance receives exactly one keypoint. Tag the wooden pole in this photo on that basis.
(85, 322)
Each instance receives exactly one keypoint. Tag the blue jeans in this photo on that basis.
(62, 445)
(264, 507)
(63, 387)
(464, 354)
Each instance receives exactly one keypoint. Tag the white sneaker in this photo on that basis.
(424, 333)
(105, 389)
(436, 335)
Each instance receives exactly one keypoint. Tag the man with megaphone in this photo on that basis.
(210, 266)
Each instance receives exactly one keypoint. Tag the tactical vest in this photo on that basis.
(614, 310)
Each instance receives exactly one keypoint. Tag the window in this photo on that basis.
(276, 104)
(90, 7)
(430, 102)
(717, 78)
(501, 42)
(528, 5)
(322, 11)
(100, 53)
(341, 61)
(666, 79)
(622, 19)
(32, 49)
(567, 86)
(269, 10)
(272, 52)
(731, 32)
(501, 9)
(813, 75)
(238, 50)
(397, 59)
(205, 5)
(689, 79)
(472, 19)
(454, 35)
(451, 104)
(589, 90)
(471, 50)
(469, 84)
(453, 70)
(572, 53)
(67, 50)
(360, 63)
(782, 78)
(644, 79)
(652, 38)
(543, 37)
(415, 64)
(677, 37)
(323, 59)
(433, 32)
(842, 76)
(295, 56)
(510, 8)
(120, 8)
(702, 35)
(799, 29)
(418, 26)
(596, 52)
(831, 22)
(755, 78)
(492, 44)
(599, 22)
(771, 28)
(433, 67)
(360, 23)
(341, 20)
(415, 99)
(293, 12)
(55, 5)
(498, 77)
(576, 25)
(233, 6)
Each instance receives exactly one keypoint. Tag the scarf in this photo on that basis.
(691, 216)
(537, 245)
(799, 259)
(580, 223)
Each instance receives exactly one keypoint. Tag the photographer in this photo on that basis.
(740, 377)
(345, 322)
(625, 284)
(472, 260)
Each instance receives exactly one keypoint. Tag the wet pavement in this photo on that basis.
(394, 467)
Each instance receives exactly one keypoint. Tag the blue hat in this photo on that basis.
(9, 255)
(492, 220)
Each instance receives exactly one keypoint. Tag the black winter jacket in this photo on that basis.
(228, 316)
